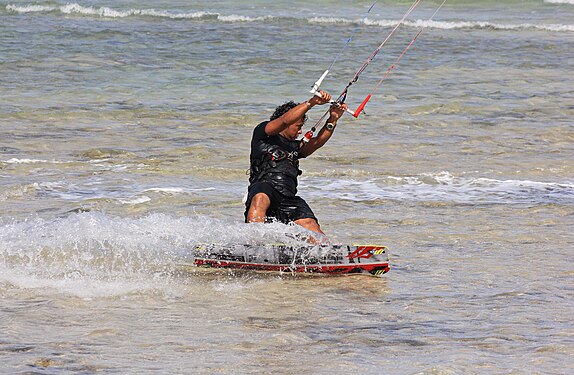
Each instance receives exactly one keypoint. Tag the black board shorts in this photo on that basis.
(285, 209)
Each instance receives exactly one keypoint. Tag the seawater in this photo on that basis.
(124, 141)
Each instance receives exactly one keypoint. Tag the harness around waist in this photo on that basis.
(275, 161)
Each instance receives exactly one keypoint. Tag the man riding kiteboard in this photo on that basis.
(275, 154)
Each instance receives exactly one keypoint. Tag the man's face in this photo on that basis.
(292, 132)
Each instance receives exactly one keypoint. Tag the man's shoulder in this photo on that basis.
(259, 130)
(261, 126)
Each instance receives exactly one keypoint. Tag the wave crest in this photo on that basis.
(444, 187)
(450, 25)
(74, 8)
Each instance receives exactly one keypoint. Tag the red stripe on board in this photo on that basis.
(319, 268)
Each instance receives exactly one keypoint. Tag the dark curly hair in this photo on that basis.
(284, 108)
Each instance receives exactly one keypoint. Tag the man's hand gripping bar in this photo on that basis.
(332, 102)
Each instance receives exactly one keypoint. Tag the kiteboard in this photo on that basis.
(307, 259)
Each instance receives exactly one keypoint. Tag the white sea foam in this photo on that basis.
(135, 201)
(175, 190)
(235, 18)
(444, 187)
(76, 283)
(93, 254)
(559, 2)
(450, 25)
(141, 199)
(29, 161)
(330, 20)
(167, 190)
(29, 8)
(74, 8)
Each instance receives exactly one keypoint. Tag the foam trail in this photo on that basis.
(93, 254)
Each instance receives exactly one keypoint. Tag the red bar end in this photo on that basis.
(362, 106)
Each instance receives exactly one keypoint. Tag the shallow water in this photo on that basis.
(124, 134)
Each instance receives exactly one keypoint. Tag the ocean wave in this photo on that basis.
(451, 25)
(177, 190)
(444, 187)
(332, 20)
(107, 12)
(141, 199)
(571, 2)
(30, 161)
(73, 8)
(448, 25)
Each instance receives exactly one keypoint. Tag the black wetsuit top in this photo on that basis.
(274, 159)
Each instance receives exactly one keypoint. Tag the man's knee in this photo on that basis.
(258, 208)
(309, 223)
(260, 200)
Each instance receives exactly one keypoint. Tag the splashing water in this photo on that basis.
(91, 253)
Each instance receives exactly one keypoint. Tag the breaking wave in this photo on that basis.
(107, 12)
(474, 25)
(113, 13)
(444, 187)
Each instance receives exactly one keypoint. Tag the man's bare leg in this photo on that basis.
(258, 208)
(310, 224)
(258, 211)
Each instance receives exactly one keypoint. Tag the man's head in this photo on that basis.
(283, 109)
(294, 130)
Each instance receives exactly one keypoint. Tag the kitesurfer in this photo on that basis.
(275, 154)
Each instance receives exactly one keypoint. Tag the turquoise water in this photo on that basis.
(124, 131)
